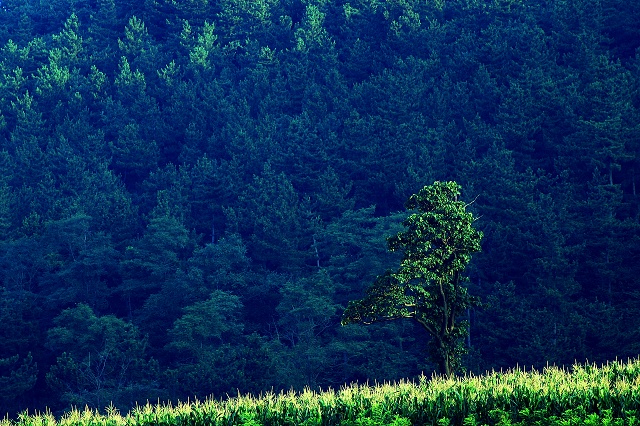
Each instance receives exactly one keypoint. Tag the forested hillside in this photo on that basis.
(192, 191)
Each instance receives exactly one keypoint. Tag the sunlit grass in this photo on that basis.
(580, 395)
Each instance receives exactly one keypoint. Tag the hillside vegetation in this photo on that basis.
(192, 191)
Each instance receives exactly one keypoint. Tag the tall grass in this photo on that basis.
(580, 395)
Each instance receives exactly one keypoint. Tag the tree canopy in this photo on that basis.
(428, 287)
(242, 163)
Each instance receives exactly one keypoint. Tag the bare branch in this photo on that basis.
(471, 202)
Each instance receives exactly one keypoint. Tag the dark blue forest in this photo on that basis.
(192, 192)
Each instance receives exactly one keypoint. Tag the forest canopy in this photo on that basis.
(191, 192)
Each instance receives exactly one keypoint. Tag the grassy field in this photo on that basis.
(580, 395)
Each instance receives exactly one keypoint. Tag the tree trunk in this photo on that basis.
(445, 367)
(444, 361)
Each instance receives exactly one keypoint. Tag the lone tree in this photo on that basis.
(437, 244)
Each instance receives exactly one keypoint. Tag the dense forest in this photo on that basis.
(192, 191)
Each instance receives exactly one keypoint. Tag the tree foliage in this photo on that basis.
(243, 161)
(428, 286)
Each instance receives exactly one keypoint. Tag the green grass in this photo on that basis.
(581, 395)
